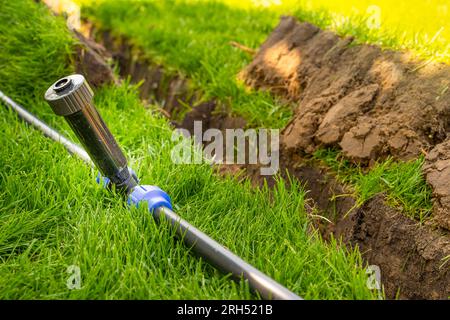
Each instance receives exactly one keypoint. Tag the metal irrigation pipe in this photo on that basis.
(46, 130)
(71, 97)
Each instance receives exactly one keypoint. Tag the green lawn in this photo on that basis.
(53, 215)
(202, 31)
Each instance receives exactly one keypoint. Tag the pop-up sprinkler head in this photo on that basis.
(71, 97)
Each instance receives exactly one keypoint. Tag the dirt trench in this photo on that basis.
(410, 256)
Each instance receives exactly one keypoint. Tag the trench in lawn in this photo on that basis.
(411, 255)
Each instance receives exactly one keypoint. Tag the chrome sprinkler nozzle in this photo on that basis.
(72, 98)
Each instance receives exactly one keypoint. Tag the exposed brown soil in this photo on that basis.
(92, 61)
(368, 102)
(437, 170)
(410, 256)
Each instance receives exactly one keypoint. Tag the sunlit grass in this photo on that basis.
(420, 26)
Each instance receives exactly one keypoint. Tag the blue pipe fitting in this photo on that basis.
(154, 196)
(103, 181)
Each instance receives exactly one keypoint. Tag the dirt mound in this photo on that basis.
(370, 103)
(437, 170)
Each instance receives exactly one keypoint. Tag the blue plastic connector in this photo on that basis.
(101, 180)
(154, 196)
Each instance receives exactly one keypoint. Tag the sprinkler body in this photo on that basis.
(71, 97)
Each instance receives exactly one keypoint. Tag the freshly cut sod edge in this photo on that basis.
(53, 215)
